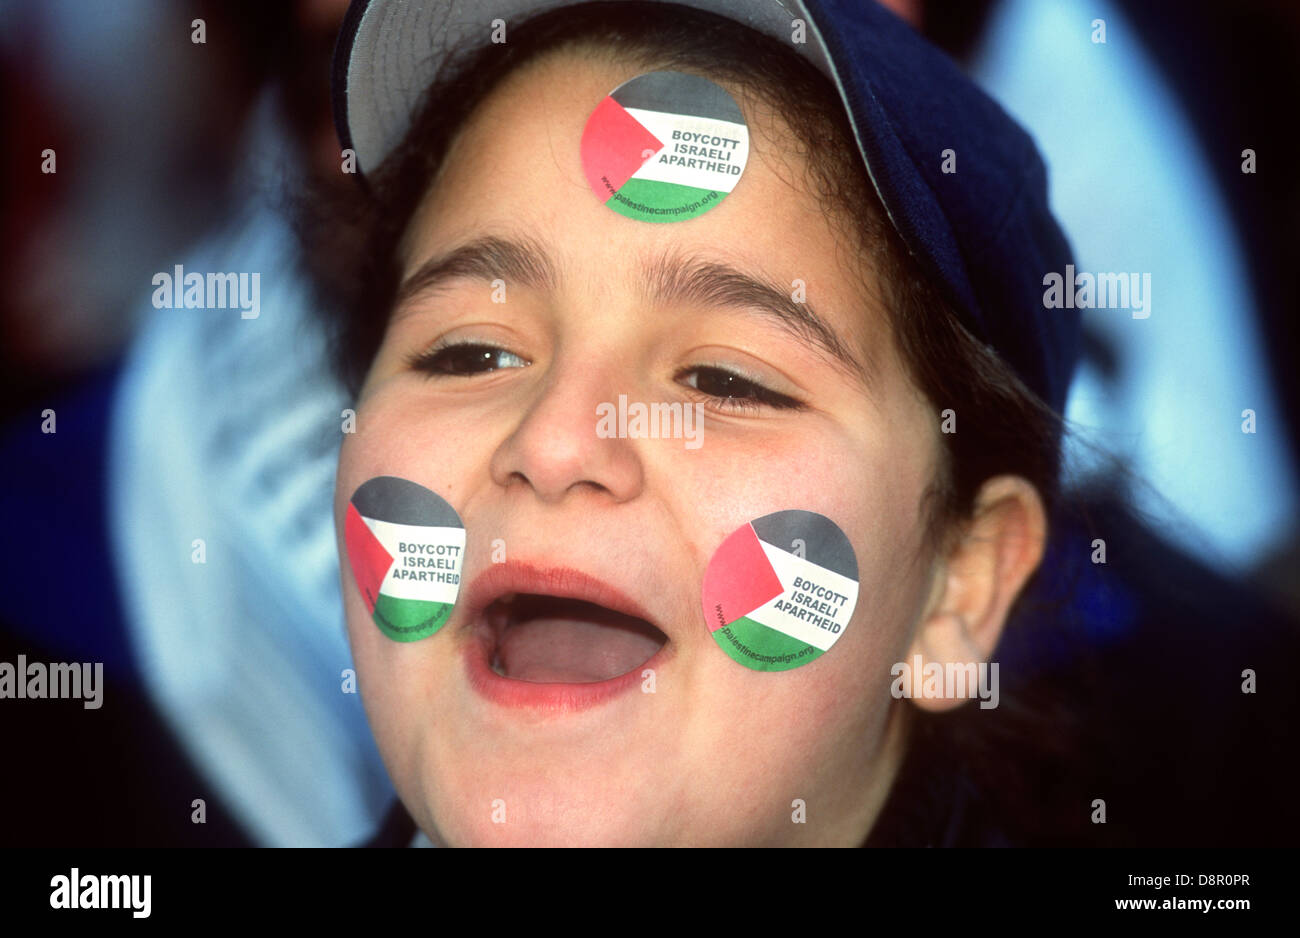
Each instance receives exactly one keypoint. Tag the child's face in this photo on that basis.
(717, 753)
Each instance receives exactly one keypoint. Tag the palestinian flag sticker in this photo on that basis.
(665, 146)
(780, 591)
(407, 547)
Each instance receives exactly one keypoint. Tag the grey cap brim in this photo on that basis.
(390, 51)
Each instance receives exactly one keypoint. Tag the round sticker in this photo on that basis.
(406, 546)
(779, 592)
(665, 146)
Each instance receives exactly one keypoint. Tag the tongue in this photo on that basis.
(550, 650)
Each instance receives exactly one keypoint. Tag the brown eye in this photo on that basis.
(466, 359)
(735, 390)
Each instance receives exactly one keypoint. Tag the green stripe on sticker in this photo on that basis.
(409, 620)
(760, 648)
(646, 200)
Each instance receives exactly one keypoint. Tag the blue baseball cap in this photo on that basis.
(984, 234)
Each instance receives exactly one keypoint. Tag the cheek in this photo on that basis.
(873, 495)
(396, 436)
(816, 733)
(398, 433)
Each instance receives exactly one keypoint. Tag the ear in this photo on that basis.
(979, 578)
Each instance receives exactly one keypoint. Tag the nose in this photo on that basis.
(554, 449)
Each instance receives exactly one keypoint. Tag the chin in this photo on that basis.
(541, 819)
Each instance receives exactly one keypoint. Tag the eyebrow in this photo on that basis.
(520, 261)
(670, 278)
(676, 279)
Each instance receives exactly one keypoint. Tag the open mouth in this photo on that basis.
(545, 639)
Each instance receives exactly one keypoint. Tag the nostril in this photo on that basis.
(555, 451)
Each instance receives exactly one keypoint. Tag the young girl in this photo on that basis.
(886, 369)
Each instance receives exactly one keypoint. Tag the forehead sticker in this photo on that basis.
(406, 546)
(665, 146)
(780, 590)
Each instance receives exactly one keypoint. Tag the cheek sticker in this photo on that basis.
(665, 146)
(780, 590)
(406, 546)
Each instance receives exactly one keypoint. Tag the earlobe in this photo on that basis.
(984, 572)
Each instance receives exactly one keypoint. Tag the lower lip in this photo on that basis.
(546, 698)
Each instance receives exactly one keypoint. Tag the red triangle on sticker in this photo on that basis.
(739, 579)
(370, 560)
(614, 146)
